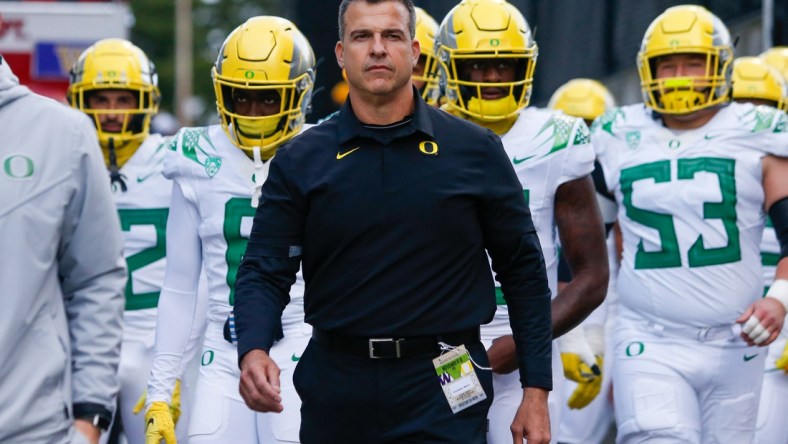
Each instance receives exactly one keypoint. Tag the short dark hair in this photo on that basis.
(407, 3)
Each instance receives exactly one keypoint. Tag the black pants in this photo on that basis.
(352, 399)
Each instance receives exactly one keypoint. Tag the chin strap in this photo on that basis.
(114, 171)
(260, 174)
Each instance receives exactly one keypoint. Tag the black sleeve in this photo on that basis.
(510, 239)
(270, 264)
(778, 212)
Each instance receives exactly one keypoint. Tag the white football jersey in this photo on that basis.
(143, 210)
(218, 179)
(690, 205)
(547, 149)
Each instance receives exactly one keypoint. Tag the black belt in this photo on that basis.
(393, 348)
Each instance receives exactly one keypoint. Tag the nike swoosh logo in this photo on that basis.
(144, 178)
(341, 155)
(749, 358)
(295, 358)
(518, 161)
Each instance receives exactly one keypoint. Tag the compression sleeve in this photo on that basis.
(179, 309)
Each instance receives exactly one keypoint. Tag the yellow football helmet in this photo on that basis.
(485, 29)
(264, 54)
(753, 78)
(778, 58)
(426, 28)
(584, 98)
(116, 64)
(682, 30)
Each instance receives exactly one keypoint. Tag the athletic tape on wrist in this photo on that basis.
(779, 291)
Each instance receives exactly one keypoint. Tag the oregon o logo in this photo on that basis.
(18, 166)
(249, 74)
(674, 144)
(429, 147)
(635, 349)
(207, 358)
(495, 42)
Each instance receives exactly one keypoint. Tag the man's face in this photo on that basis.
(109, 99)
(377, 51)
(256, 103)
(493, 70)
(680, 65)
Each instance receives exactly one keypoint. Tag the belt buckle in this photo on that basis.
(373, 341)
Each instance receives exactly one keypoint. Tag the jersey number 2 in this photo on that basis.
(158, 218)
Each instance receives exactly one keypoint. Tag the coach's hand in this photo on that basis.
(159, 424)
(532, 421)
(259, 384)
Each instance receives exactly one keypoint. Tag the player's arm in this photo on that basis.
(763, 320)
(582, 235)
(93, 276)
(178, 314)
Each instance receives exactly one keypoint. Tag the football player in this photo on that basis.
(487, 55)
(693, 176)
(755, 81)
(425, 74)
(115, 84)
(586, 417)
(263, 79)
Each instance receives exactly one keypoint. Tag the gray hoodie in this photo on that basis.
(62, 271)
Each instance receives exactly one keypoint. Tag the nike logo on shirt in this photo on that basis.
(518, 161)
(341, 155)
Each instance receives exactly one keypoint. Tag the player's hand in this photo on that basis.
(175, 402)
(259, 385)
(501, 355)
(588, 378)
(782, 361)
(762, 322)
(532, 420)
(159, 424)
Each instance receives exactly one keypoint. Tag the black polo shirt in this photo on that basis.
(392, 225)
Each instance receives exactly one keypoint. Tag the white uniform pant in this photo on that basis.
(772, 426)
(508, 394)
(672, 388)
(219, 413)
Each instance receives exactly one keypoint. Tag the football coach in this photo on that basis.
(392, 208)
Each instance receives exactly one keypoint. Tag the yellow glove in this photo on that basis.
(582, 349)
(175, 403)
(782, 361)
(589, 379)
(159, 424)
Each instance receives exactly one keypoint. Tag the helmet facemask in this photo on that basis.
(467, 95)
(265, 131)
(687, 94)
